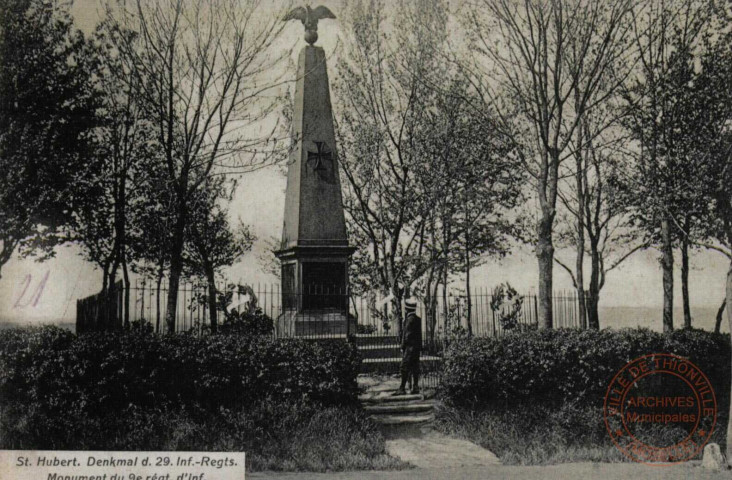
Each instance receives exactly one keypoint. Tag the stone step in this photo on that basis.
(399, 409)
(422, 359)
(402, 419)
(371, 399)
(391, 365)
(379, 351)
(375, 339)
(395, 404)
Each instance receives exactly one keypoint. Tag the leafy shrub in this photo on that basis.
(51, 373)
(277, 434)
(247, 323)
(365, 328)
(142, 326)
(454, 319)
(558, 366)
(290, 404)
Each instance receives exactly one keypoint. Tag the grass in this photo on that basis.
(275, 435)
(332, 439)
(536, 435)
(531, 436)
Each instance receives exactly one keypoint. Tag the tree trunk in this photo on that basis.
(445, 306)
(105, 277)
(720, 315)
(433, 343)
(397, 302)
(582, 201)
(593, 321)
(469, 302)
(685, 281)
(428, 312)
(211, 280)
(121, 228)
(176, 266)
(545, 256)
(581, 282)
(157, 300)
(126, 276)
(728, 299)
(431, 306)
(113, 272)
(667, 264)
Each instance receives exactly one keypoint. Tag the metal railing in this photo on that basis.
(319, 312)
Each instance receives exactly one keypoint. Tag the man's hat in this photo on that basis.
(410, 304)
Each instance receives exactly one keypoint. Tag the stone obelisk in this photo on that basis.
(314, 251)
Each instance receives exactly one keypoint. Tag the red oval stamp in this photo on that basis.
(660, 409)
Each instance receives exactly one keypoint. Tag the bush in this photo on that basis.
(537, 397)
(54, 372)
(365, 328)
(137, 391)
(563, 365)
(290, 404)
(142, 326)
(247, 323)
(276, 434)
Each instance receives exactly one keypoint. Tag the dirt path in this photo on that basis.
(433, 450)
(578, 471)
(437, 457)
(406, 422)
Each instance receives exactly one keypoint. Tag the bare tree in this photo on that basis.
(596, 222)
(426, 175)
(717, 176)
(211, 242)
(204, 68)
(666, 35)
(126, 151)
(712, 153)
(473, 183)
(541, 66)
(385, 96)
(154, 217)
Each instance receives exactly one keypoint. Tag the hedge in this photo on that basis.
(54, 371)
(555, 367)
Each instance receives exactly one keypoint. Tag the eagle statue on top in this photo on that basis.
(309, 18)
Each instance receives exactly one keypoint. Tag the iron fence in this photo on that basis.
(322, 313)
(371, 321)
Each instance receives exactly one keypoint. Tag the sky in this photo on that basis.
(32, 292)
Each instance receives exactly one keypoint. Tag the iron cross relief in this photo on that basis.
(316, 160)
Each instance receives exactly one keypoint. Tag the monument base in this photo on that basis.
(317, 323)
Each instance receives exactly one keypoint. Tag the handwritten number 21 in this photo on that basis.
(35, 296)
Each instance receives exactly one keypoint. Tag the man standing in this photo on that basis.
(411, 348)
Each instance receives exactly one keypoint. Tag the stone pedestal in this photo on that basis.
(314, 324)
(314, 251)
